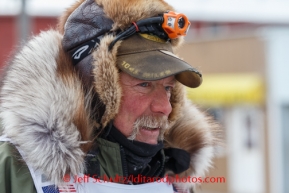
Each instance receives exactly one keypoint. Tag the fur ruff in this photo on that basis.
(40, 110)
(45, 112)
(106, 78)
(197, 134)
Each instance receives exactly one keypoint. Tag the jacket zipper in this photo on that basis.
(124, 164)
(162, 166)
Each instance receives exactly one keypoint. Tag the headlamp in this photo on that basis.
(175, 24)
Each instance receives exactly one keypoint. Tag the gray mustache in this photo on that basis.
(150, 122)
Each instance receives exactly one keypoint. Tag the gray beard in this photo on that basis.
(150, 122)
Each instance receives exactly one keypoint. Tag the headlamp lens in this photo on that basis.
(181, 22)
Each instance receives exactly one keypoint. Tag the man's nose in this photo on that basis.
(161, 103)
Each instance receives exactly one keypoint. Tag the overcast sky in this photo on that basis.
(275, 11)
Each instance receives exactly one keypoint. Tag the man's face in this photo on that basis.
(145, 108)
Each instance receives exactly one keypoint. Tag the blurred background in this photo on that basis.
(242, 49)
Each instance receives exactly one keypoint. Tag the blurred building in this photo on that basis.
(10, 34)
(241, 48)
(244, 64)
(233, 64)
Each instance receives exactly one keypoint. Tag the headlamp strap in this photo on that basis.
(83, 50)
(170, 25)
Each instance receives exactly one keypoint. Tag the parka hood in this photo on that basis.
(52, 115)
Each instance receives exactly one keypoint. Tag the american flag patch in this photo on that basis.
(67, 188)
(50, 189)
(59, 189)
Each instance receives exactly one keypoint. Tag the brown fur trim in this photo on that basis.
(197, 134)
(177, 102)
(106, 77)
(83, 124)
(177, 43)
(65, 68)
(124, 12)
(69, 76)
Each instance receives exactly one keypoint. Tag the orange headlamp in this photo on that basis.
(175, 24)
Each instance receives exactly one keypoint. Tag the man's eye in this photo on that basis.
(169, 88)
(144, 84)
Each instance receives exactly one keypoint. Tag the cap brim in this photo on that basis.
(159, 64)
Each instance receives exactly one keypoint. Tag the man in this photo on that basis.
(104, 97)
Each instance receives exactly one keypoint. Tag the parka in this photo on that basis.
(52, 114)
